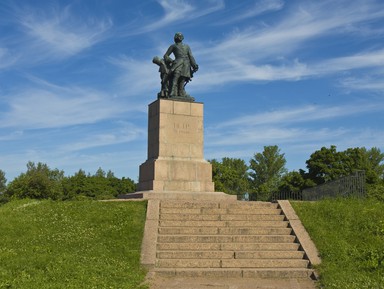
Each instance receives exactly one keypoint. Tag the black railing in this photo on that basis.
(349, 186)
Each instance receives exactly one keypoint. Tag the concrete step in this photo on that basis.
(195, 254)
(212, 205)
(264, 263)
(204, 217)
(188, 204)
(221, 211)
(230, 255)
(260, 246)
(273, 273)
(223, 231)
(231, 263)
(269, 255)
(248, 205)
(225, 239)
(228, 246)
(231, 224)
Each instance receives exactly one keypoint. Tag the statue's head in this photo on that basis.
(156, 60)
(178, 37)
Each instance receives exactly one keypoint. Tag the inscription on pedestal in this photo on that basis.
(183, 128)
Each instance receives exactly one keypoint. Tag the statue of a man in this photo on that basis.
(182, 68)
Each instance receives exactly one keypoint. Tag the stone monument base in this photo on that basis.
(170, 174)
(175, 149)
(177, 195)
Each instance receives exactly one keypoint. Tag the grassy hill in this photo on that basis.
(90, 244)
(349, 234)
(79, 244)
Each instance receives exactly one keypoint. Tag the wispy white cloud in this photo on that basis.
(259, 135)
(291, 125)
(306, 113)
(58, 33)
(371, 82)
(274, 52)
(258, 8)
(7, 59)
(120, 133)
(13, 135)
(137, 78)
(177, 11)
(48, 106)
(357, 61)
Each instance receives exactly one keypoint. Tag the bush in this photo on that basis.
(376, 191)
(39, 182)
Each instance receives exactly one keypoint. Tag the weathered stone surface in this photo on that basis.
(227, 239)
(302, 234)
(175, 149)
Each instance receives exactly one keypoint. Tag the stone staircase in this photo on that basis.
(227, 239)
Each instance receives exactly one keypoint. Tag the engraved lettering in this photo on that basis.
(182, 128)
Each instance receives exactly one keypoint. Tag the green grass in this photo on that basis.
(349, 235)
(79, 244)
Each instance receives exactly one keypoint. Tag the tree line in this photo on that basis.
(42, 182)
(264, 175)
(266, 172)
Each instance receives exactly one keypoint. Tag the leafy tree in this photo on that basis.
(3, 182)
(98, 186)
(328, 164)
(295, 181)
(325, 165)
(39, 182)
(368, 160)
(100, 173)
(376, 191)
(76, 185)
(230, 175)
(110, 175)
(121, 186)
(3, 187)
(267, 168)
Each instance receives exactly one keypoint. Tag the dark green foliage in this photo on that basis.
(376, 191)
(295, 182)
(3, 182)
(83, 244)
(349, 234)
(98, 186)
(266, 170)
(328, 164)
(41, 182)
(230, 176)
(3, 187)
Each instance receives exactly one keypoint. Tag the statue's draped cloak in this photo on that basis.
(184, 59)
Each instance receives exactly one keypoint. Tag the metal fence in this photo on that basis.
(349, 186)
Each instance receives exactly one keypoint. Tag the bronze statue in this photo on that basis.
(176, 73)
(164, 69)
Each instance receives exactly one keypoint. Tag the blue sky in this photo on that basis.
(76, 78)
